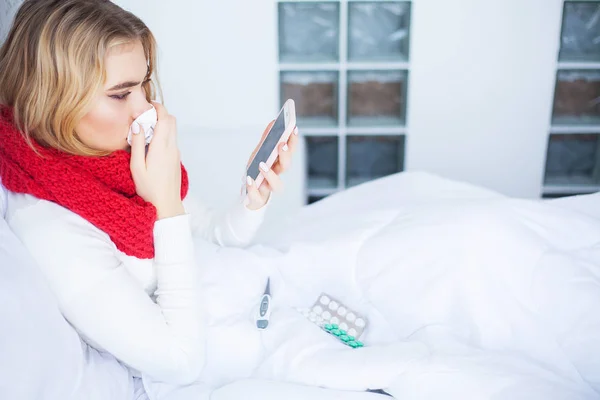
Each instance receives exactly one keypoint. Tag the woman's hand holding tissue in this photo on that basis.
(157, 174)
(258, 197)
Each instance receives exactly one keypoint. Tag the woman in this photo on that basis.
(105, 222)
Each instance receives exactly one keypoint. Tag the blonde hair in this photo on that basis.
(52, 65)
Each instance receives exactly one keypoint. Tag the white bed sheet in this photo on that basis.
(527, 331)
(500, 292)
(259, 389)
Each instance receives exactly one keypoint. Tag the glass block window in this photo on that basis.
(322, 157)
(378, 31)
(573, 155)
(371, 157)
(376, 98)
(346, 65)
(315, 94)
(580, 37)
(309, 31)
(577, 98)
(572, 159)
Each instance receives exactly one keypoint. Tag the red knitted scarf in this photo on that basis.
(99, 189)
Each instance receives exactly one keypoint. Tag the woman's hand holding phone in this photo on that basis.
(258, 196)
(157, 173)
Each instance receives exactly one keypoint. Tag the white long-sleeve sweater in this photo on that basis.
(146, 313)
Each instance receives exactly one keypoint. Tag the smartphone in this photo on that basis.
(282, 128)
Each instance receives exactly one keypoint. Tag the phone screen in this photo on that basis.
(268, 145)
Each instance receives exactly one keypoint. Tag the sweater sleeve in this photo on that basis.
(235, 226)
(109, 308)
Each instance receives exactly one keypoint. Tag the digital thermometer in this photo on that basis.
(264, 310)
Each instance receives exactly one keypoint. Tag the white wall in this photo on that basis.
(480, 86)
(7, 10)
(480, 89)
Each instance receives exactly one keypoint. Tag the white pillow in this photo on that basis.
(42, 357)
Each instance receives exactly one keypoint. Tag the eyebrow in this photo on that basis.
(124, 85)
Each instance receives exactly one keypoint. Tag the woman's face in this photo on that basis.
(118, 102)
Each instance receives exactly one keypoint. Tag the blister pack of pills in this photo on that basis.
(337, 319)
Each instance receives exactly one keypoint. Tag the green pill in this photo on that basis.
(345, 338)
(352, 344)
(328, 327)
(336, 332)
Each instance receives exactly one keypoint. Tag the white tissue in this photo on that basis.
(147, 120)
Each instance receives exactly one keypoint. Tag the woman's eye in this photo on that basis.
(120, 96)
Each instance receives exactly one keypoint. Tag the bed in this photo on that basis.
(470, 295)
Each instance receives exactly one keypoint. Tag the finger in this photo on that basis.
(265, 186)
(172, 130)
(277, 168)
(252, 192)
(265, 191)
(293, 141)
(165, 130)
(161, 111)
(166, 125)
(284, 160)
(271, 177)
(138, 150)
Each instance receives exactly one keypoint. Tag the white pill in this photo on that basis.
(333, 306)
(324, 300)
(312, 315)
(335, 320)
(313, 318)
(342, 311)
(326, 315)
(319, 319)
(317, 309)
(344, 326)
(352, 332)
(360, 322)
(350, 317)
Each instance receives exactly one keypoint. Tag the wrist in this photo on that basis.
(253, 206)
(169, 210)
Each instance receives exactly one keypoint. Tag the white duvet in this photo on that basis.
(470, 295)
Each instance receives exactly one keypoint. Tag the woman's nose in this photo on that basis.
(140, 106)
(140, 110)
